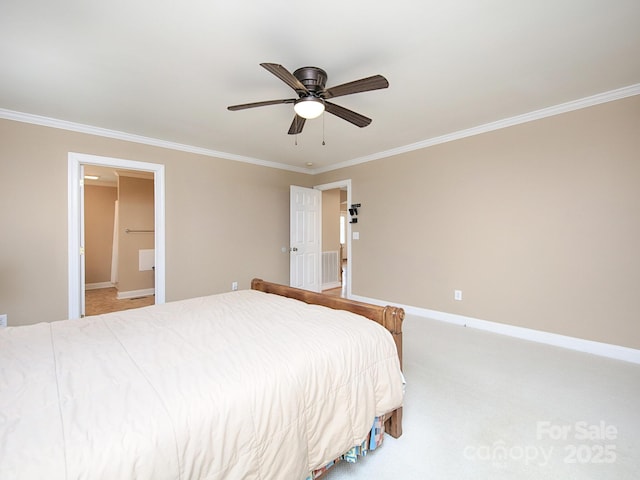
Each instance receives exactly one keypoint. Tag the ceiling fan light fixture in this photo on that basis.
(309, 107)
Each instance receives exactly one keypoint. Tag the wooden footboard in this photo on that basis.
(389, 317)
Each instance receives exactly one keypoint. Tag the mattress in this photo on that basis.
(242, 385)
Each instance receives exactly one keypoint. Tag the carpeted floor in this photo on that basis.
(104, 300)
(481, 406)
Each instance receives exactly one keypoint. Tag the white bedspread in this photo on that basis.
(243, 385)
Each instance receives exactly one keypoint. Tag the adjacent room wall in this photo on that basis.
(331, 238)
(135, 212)
(99, 210)
(344, 212)
(331, 220)
(538, 225)
(225, 220)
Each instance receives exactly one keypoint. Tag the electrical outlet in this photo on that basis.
(457, 295)
(234, 286)
(3, 320)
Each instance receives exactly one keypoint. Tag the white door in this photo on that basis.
(305, 238)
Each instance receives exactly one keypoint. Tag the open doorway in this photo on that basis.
(151, 263)
(337, 261)
(119, 237)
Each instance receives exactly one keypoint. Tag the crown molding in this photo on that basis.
(597, 99)
(129, 137)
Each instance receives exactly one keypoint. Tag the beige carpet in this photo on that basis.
(481, 406)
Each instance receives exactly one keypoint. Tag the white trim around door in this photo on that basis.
(75, 162)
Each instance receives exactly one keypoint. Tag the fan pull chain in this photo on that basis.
(323, 144)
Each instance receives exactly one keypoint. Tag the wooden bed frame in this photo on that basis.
(389, 317)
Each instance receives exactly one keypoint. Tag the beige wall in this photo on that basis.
(99, 208)
(225, 221)
(537, 224)
(135, 212)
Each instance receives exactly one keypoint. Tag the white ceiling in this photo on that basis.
(167, 70)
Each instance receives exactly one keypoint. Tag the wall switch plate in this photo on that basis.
(457, 295)
(234, 286)
(356, 235)
(3, 320)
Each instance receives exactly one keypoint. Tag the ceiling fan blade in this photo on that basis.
(243, 106)
(286, 76)
(363, 85)
(297, 125)
(346, 114)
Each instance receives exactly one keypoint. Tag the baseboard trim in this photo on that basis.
(135, 293)
(96, 286)
(608, 350)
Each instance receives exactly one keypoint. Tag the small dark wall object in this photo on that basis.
(353, 211)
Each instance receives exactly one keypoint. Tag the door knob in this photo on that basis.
(293, 249)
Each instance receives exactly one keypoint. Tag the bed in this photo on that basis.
(267, 383)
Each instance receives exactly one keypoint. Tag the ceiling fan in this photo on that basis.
(309, 84)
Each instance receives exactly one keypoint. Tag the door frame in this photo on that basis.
(75, 223)
(332, 186)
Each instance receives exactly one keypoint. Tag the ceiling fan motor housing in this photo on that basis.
(313, 78)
